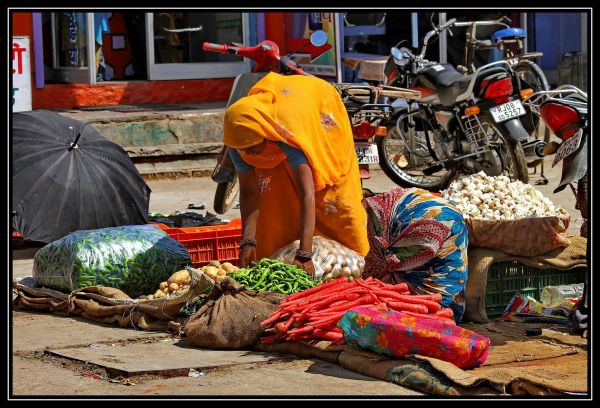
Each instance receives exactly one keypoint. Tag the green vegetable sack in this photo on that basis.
(133, 258)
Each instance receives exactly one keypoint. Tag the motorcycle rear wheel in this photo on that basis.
(392, 150)
(514, 164)
(225, 196)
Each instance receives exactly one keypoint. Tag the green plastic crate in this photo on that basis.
(507, 278)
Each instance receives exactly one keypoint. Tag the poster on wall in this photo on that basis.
(320, 61)
(21, 75)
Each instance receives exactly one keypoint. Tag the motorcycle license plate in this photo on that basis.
(508, 110)
(568, 147)
(367, 153)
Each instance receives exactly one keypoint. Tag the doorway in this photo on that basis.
(123, 47)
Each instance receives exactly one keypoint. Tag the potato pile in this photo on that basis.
(497, 198)
(178, 282)
(216, 269)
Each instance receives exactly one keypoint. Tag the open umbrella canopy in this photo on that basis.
(66, 177)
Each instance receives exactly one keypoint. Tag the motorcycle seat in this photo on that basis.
(508, 33)
(445, 75)
(448, 81)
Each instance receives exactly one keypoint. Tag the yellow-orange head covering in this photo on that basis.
(301, 111)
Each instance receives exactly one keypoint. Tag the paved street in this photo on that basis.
(36, 372)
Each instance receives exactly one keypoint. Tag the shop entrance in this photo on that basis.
(94, 47)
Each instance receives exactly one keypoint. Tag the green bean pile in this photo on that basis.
(274, 276)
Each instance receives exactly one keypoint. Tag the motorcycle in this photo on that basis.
(462, 124)
(366, 110)
(267, 59)
(565, 111)
(507, 43)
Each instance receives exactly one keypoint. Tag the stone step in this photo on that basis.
(162, 140)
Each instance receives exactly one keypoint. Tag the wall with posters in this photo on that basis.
(21, 74)
(292, 31)
(321, 61)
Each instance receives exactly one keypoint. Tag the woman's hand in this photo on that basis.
(306, 264)
(247, 255)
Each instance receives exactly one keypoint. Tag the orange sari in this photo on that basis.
(306, 113)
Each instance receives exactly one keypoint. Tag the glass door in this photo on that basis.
(73, 47)
(174, 44)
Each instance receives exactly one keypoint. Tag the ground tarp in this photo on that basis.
(554, 363)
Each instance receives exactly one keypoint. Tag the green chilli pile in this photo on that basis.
(274, 276)
(133, 258)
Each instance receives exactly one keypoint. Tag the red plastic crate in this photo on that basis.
(205, 244)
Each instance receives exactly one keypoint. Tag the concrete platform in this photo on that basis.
(303, 378)
(48, 331)
(146, 358)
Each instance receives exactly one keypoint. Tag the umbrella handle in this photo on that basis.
(74, 144)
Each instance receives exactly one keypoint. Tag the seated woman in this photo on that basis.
(421, 239)
(293, 149)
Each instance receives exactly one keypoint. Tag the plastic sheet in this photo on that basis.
(133, 258)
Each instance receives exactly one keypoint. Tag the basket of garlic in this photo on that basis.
(512, 217)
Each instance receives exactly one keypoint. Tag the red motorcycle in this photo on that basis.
(366, 111)
(267, 59)
(565, 111)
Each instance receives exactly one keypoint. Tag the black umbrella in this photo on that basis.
(66, 177)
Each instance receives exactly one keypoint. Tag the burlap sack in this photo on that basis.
(524, 237)
(550, 364)
(480, 259)
(321, 349)
(231, 318)
(113, 306)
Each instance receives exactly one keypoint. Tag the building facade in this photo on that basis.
(80, 59)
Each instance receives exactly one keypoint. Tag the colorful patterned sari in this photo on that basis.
(421, 239)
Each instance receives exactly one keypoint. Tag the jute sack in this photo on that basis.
(524, 237)
(321, 349)
(480, 259)
(231, 317)
(113, 306)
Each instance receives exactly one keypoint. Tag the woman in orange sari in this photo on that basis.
(291, 142)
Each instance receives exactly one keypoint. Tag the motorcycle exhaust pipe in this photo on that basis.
(434, 168)
(535, 148)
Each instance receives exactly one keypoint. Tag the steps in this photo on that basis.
(162, 140)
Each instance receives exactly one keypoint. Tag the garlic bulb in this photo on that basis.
(497, 198)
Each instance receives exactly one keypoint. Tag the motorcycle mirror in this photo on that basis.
(396, 53)
(318, 38)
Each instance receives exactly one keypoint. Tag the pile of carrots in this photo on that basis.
(314, 313)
